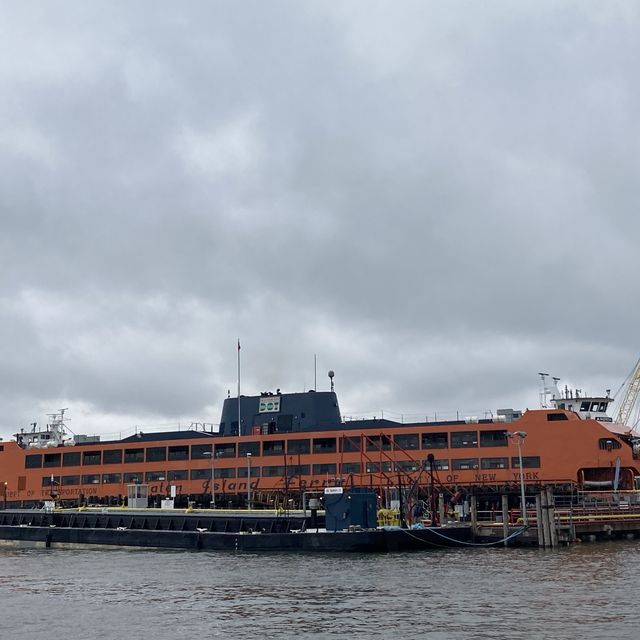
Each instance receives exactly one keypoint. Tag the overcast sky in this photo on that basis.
(439, 199)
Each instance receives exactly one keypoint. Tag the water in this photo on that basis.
(588, 591)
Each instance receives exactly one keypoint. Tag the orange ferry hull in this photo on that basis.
(560, 449)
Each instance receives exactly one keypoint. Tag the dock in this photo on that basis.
(350, 523)
(551, 523)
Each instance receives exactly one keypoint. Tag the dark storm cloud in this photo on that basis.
(438, 200)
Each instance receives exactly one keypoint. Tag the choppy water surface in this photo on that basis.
(589, 591)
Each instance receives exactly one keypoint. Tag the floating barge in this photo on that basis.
(349, 523)
(198, 531)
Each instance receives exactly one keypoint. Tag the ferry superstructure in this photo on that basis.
(286, 444)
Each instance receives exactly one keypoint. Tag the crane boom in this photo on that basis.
(630, 397)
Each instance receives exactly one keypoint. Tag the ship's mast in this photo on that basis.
(543, 392)
(547, 390)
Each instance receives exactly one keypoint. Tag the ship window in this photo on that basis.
(67, 480)
(91, 457)
(464, 464)
(242, 472)
(50, 481)
(52, 460)
(435, 440)
(299, 446)
(133, 455)
(133, 477)
(406, 440)
(112, 456)
(248, 447)
(180, 474)
(528, 462)
(71, 459)
(494, 463)
(464, 439)
(33, 461)
(323, 469)
(272, 472)
(228, 472)
(156, 454)
(350, 444)
(200, 451)
(607, 444)
(378, 467)
(552, 417)
(273, 448)
(378, 443)
(493, 438)
(93, 478)
(179, 452)
(407, 465)
(441, 465)
(298, 470)
(324, 445)
(111, 478)
(201, 474)
(584, 406)
(155, 476)
(227, 450)
(350, 467)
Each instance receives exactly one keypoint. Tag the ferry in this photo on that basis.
(276, 448)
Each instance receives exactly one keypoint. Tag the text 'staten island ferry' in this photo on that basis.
(287, 444)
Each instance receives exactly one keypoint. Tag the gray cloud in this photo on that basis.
(438, 201)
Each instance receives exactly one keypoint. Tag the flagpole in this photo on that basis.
(239, 431)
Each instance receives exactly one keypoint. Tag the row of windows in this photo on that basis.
(457, 464)
(295, 446)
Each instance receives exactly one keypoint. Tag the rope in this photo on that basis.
(515, 534)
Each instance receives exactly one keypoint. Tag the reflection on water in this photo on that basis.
(586, 591)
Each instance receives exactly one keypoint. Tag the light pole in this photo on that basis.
(213, 484)
(519, 437)
(248, 480)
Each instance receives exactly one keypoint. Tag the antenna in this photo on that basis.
(331, 374)
(315, 372)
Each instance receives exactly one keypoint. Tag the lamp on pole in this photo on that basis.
(519, 437)
(213, 484)
(248, 480)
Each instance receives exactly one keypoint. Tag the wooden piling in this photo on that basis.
(552, 519)
(474, 516)
(539, 527)
(544, 512)
(505, 519)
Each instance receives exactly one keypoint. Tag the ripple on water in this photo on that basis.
(587, 590)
